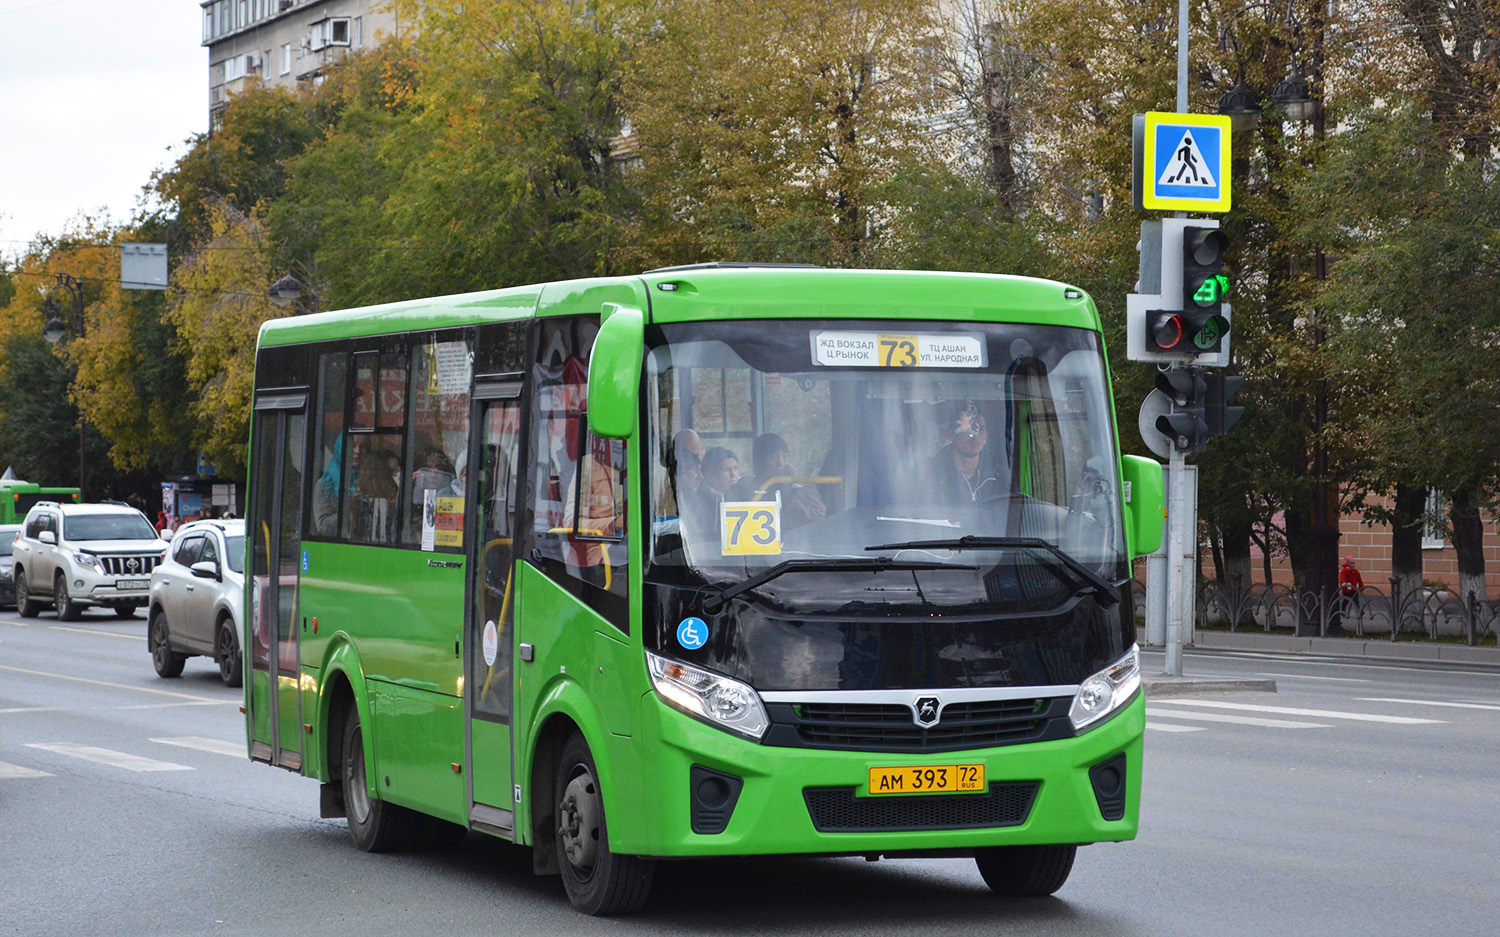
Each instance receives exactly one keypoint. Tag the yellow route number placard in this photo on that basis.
(750, 527)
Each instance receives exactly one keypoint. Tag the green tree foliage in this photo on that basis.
(217, 303)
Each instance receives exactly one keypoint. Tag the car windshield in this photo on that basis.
(7, 539)
(987, 448)
(235, 547)
(81, 527)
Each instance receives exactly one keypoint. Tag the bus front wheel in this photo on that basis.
(598, 881)
(374, 825)
(1025, 871)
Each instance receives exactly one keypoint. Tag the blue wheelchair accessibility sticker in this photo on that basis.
(692, 633)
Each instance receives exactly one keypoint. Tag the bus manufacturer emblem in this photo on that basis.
(925, 711)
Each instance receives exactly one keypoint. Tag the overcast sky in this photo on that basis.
(94, 95)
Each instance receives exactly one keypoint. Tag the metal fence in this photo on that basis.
(1430, 613)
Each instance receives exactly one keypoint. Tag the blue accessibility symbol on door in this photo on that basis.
(692, 633)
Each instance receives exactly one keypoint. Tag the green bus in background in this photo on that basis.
(714, 560)
(17, 497)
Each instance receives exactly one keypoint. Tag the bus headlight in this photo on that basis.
(1106, 691)
(727, 703)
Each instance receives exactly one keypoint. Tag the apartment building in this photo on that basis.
(283, 42)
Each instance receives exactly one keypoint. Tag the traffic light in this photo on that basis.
(1187, 424)
(1203, 287)
(1220, 417)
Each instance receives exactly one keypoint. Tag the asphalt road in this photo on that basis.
(1360, 799)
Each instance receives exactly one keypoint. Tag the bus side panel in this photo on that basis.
(419, 737)
(565, 678)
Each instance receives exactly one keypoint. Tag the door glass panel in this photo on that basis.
(494, 602)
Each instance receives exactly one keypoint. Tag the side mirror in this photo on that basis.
(615, 372)
(47, 536)
(1145, 504)
(207, 569)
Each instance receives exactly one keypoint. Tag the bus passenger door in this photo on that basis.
(492, 484)
(273, 698)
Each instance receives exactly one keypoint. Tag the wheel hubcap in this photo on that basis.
(357, 799)
(578, 820)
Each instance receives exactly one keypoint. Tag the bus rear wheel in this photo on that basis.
(1025, 871)
(374, 825)
(597, 880)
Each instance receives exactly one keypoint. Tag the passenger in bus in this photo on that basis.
(773, 480)
(962, 471)
(325, 496)
(373, 505)
(721, 469)
(434, 473)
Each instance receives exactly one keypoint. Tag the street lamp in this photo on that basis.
(286, 291)
(1241, 106)
(1295, 96)
(55, 329)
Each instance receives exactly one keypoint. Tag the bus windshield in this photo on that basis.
(984, 448)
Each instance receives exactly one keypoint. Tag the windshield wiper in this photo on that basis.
(874, 564)
(1108, 594)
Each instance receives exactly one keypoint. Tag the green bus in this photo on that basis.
(18, 497)
(714, 560)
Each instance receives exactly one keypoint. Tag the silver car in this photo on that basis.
(197, 599)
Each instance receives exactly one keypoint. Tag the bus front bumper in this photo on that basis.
(812, 801)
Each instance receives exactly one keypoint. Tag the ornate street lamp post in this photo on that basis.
(56, 328)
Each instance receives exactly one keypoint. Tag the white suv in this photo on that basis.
(82, 555)
(197, 599)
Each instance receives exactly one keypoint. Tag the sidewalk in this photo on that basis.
(1367, 647)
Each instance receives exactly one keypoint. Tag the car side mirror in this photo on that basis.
(47, 536)
(207, 569)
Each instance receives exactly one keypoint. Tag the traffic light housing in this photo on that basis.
(1203, 288)
(1219, 416)
(1187, 425)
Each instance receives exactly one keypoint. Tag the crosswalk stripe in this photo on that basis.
(1315, 713)
(1428, 702)
(1168, 727)
(10, 772)
(1235, 720)
(217, 746)
(105, 756)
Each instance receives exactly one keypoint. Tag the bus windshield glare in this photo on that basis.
(983, 448)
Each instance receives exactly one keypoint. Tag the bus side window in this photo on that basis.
(328, 443)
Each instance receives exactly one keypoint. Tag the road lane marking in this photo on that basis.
(1315, 713)
(105, 756)
(1428, 702)
(107, 634)
(217, 746)
(1168, 727)
(117, 686)
(1235, 720)
(10, 772)
(116, 709)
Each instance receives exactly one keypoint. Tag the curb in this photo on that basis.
(1162, 686)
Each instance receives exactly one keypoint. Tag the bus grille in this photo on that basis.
(837, 810)
(881, 727)
(133, 565)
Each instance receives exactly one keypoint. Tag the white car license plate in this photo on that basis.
(132, 585)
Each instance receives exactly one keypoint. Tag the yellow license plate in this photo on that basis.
(927, 779)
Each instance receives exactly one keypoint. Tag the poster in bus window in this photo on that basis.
(448, 523)
(429, 519)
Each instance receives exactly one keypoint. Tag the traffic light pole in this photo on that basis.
(1182, 521)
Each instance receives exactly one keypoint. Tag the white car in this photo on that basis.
(197, 599)
(81, 556)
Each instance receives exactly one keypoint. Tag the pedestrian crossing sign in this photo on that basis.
(1184, 164)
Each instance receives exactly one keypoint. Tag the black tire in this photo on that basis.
(124, 611)
(1025, 871)
(227, 653)
(26, 606)
(168, 663)
(67, 609)
(374, 825)
(597, 880)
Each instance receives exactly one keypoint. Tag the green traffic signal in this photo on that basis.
(1212, 290)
